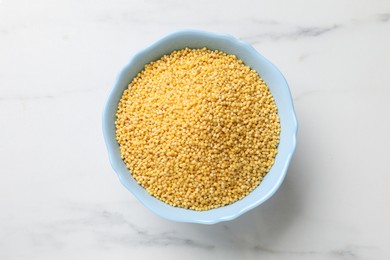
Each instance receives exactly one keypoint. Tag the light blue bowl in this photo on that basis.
(278, 87)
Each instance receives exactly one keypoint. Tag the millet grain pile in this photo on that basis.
(198, 129)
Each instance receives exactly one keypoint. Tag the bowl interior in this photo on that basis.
(274, 80)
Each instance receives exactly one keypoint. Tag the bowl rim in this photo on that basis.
(117, 86)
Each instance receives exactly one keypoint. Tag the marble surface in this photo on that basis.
(59, 197)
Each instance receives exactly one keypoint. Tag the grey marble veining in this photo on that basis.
(296, 33)
(59, 197)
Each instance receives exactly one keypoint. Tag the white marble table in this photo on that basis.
(59, 197)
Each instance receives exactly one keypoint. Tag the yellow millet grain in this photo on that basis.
(198, 129)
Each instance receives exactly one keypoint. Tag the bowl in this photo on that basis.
(268, 72)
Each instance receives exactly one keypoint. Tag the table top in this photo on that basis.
(59, 197)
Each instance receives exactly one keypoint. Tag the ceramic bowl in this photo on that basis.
(274, 80)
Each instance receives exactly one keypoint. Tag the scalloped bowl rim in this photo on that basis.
(251, 57)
